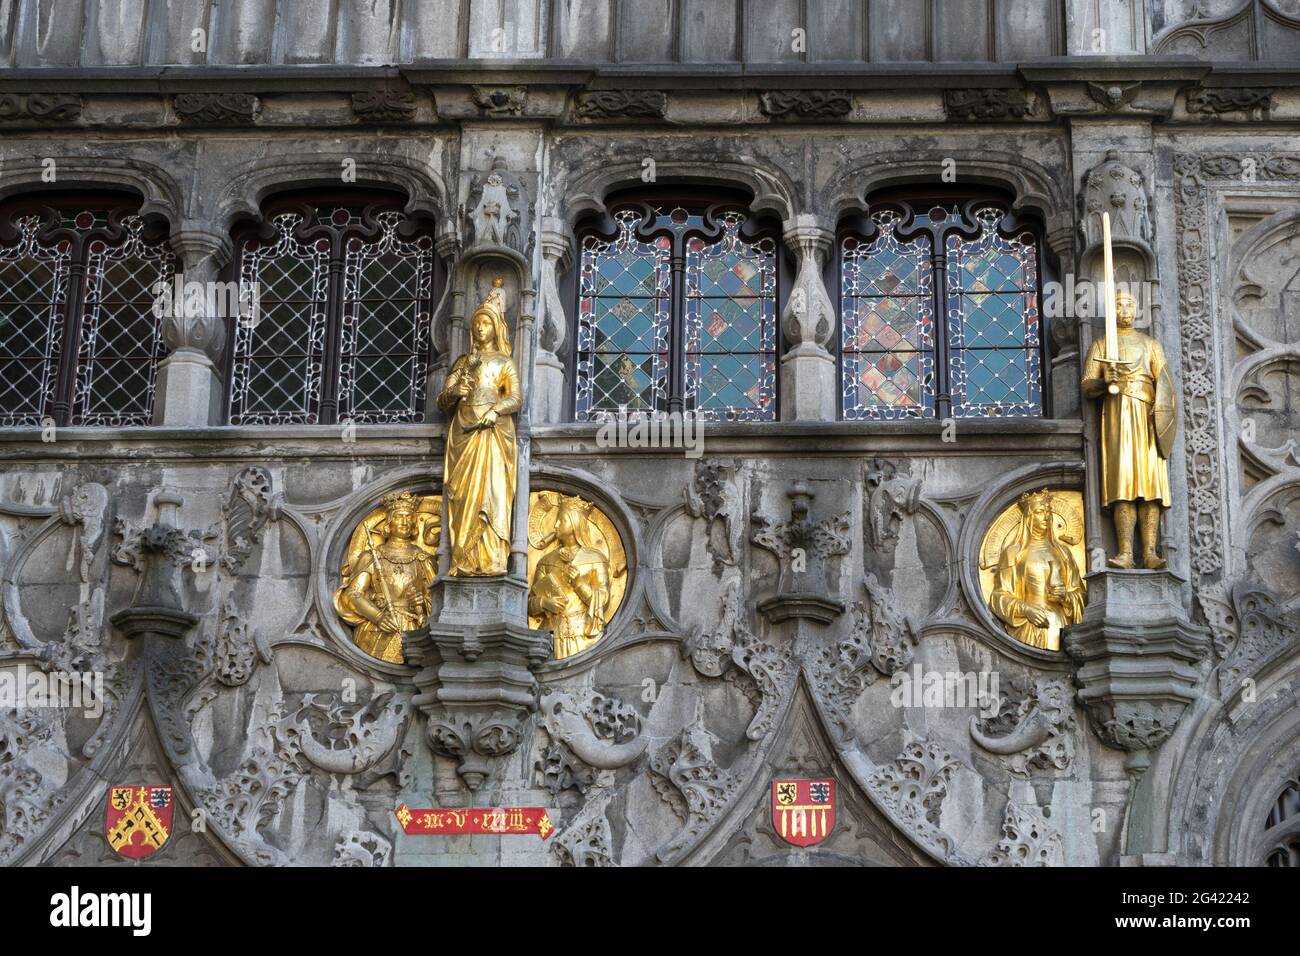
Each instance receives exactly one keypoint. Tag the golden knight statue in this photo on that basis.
(481, 397)
(385, 589)
(1037, 587)
(571, 588)
(1138, 427)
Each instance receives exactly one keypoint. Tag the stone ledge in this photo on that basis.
(322, 442)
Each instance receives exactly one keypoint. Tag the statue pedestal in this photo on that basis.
(476, 657)
(1137, 654)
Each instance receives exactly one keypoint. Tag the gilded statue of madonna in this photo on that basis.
(481, 397)
(1030, 564)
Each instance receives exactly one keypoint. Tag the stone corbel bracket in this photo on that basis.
(476, 683)
(1138, 659)
(158, 553)
(804, 550)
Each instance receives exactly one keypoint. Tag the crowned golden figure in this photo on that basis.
(481, 397)
(386, 577)
(1138, 425)
(571, 589)
(1037, 587)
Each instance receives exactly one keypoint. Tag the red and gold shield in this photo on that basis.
(803, 811)
(139, 820)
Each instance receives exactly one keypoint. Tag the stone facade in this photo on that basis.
(192, 562)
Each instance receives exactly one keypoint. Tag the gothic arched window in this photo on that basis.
(344, 286)
(1282, 828)
(677, 311)
(80, 339)
(939, 312)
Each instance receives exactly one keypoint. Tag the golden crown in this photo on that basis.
(573, 503)
(1031, 499)
(402, 502)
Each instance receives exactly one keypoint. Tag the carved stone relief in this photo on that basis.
(1026, 840)
(1036, 733)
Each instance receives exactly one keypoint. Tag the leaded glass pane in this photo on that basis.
(624, 315)
(33, 293)
(279, 351)
(993, 322)
(387, 288)
(730, 357)
(887, 325)
(121, 331)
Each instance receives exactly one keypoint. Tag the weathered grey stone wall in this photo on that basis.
(659, 744)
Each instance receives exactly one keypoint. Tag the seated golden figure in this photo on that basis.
(390, 563)
(576, 586)
(1030, 567)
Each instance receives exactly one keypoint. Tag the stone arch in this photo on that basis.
(1033, 187)
(160, 193)
(772, 189)
(1239, 759)
(248, 185)
(1247, 286)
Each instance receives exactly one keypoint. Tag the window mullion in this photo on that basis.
(329, 398)
(942, 379)
(677, 330)
(72, 319)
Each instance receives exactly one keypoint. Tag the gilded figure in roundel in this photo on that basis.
(391, 561)
(1030, 566)
(577, 570)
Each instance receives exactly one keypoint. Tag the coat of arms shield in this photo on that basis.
(803, 811)
(138, 820)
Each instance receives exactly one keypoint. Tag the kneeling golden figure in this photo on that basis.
(578, 570)
(390, 563)
(1030, 567)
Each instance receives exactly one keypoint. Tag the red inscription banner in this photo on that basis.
(499, 821)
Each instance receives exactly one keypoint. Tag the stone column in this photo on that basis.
(547, 399)
(808, 371)
(190, 391)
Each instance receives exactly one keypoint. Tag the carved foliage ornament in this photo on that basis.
(617, 104)
(810, 104)
(882, 642)
(217, 108)
(384, 106)
(1217, 101)
(991, 104)
(44, 107)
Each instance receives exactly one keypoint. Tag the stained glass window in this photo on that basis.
(730, 350)
(955, 333)
(80, 339)
(624, 319)
(993, 330)
(342, 329)
(887, 332)
(702, 338)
